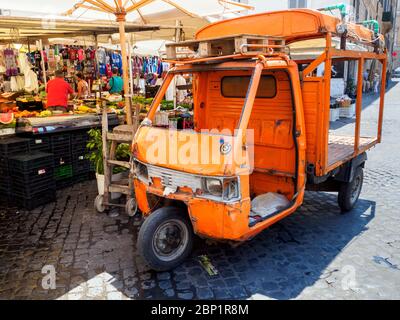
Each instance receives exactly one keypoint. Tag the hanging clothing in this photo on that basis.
(31, 81)
(101, 56)
(10, 61)
(81, 54)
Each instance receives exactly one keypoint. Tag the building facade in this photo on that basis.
(384, 11)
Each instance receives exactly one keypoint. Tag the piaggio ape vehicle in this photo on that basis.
(246, 81)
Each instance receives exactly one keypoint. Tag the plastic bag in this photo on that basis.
(268, 203)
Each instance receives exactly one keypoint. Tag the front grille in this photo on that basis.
(174, 179)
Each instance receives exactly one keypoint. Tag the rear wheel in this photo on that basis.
(165, 239)
(350, 191)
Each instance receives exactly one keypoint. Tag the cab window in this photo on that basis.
(237, 86)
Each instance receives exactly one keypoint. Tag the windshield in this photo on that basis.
(208, 100)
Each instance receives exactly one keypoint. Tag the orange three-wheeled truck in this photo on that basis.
(254, 100)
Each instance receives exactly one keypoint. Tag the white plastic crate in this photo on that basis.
(334, 114)
(347, 112)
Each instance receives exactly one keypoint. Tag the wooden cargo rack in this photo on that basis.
(224, 46)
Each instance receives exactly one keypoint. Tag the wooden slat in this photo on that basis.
(120, 163)
(342, 147)
(119, 137)
(119, 188)
(224, 46)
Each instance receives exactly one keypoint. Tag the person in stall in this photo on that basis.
(116, 84)
(83, 86)
(58, 91)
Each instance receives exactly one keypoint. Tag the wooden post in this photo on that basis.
(96, 41)
(107, 171)
(128, 102)
(130, 65)
(43, 63)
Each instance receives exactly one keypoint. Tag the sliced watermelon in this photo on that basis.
(6, 118)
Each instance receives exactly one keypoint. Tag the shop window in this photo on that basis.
(237, 86)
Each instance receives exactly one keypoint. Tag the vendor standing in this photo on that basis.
(57, 93)
(83, 87)
(116, 84)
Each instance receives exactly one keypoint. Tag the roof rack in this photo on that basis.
(243, 44)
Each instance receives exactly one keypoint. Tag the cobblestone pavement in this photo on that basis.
(316, 253)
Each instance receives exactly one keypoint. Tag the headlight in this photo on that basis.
(225, 188)
(231, 189)
(213, 187)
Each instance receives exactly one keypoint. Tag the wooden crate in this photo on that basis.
(224, 46)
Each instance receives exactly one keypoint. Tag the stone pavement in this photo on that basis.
(316, 253)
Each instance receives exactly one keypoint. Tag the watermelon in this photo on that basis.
(6, 118)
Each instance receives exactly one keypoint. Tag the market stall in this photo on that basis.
(31, 133)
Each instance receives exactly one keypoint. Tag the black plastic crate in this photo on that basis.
(41, 143)
(6, 200)
(4, 171)
(79, 147)
(82, 177)
(39, 199)
(81, 167)
(31, 161)
(61, 151)
(61, 160)
(63, 172)
(10, 146)
(64, 183)
(61, 140)
(29, 191)
(5, 184)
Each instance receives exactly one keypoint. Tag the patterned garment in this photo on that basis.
(10, 61)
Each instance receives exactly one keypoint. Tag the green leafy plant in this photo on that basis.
(95, 152)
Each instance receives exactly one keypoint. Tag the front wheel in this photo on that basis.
(165, 239)
(350, 191)
(99, 204)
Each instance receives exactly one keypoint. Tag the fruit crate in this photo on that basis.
(63, 172)
(31, 161)
(13, 145)
(41, 143)
(38, 200)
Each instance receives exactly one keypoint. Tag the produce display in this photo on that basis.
(28, 99)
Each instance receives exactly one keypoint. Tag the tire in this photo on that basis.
(161, 251)
(349, 192)
(131, 207)
(99, 204)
